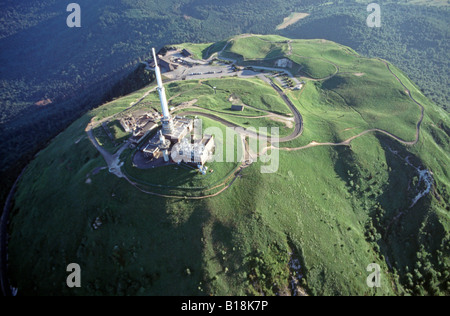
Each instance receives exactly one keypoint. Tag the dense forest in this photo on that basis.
(50, 74)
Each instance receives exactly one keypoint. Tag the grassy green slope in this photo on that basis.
(336, 209)
(314, 58)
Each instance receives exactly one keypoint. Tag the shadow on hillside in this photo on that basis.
(143, 246)
(345, 166)
(334, 83)
(396, 231)
(276, 53)
(171, 252)
(399, 225)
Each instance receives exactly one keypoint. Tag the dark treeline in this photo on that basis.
(35, 134)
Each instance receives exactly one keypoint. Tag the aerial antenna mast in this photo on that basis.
(167, 121)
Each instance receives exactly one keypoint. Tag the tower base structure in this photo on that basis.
(167, 126)
(175, 129)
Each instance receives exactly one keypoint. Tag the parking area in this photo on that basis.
(201, 72)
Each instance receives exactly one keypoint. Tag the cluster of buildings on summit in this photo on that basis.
(176, 133)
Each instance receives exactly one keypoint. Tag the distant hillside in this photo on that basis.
(414, 37)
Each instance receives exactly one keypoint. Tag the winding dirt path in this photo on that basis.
(374, 130)
(113, 160)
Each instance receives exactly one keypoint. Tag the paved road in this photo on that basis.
(113, 160)
(298, 129)
(377, 130)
